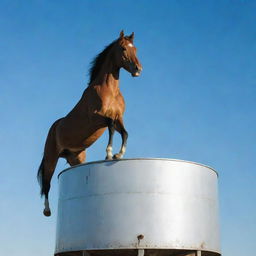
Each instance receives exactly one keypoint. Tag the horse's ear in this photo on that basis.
(121, 34)
(131, 36)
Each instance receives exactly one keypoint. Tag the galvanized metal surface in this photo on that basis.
(138, 204)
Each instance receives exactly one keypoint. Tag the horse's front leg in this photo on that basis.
(119, 126)
(111, 131)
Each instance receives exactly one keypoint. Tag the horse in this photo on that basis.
(100, 107)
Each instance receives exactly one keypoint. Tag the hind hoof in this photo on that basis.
(47, 213)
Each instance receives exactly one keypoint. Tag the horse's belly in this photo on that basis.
(93, 137)
(76, 137)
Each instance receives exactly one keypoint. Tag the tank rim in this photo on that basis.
(131, 159)
(192, 249)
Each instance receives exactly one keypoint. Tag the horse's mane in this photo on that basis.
(98, 61)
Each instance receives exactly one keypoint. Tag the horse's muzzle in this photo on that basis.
(136, 71)
(136, 74)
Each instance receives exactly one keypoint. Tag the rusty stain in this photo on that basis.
(140, 237)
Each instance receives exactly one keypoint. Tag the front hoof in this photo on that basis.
(109, 158)
(118, 156)
(47, 213)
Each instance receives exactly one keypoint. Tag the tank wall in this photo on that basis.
(106, 205)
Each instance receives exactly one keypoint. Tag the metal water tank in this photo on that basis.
(138, 207)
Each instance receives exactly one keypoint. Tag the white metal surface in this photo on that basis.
(138, 204)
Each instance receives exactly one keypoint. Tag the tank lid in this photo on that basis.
(131, 159)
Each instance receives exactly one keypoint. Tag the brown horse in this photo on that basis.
(101, 105)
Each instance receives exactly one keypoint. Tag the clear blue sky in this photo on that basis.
(195, 100)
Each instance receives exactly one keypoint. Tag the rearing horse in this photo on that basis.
(101, 105)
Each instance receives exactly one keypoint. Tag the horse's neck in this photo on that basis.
(108, 77)
(111, 82)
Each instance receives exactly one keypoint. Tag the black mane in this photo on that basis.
(97, 62)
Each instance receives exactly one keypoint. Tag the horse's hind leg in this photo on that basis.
(48, 164)
(50, 160)
(74, 158)
(119, 126)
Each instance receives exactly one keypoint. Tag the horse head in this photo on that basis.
(125, 54)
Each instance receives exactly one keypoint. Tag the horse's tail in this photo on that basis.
(40, 176)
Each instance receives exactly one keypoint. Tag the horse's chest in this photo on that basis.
(112, 112)
(113, 109)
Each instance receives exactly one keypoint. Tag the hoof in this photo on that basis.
(47, 213)
(109, 158)
(117, 156)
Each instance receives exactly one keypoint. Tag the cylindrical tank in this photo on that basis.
(136, 207)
